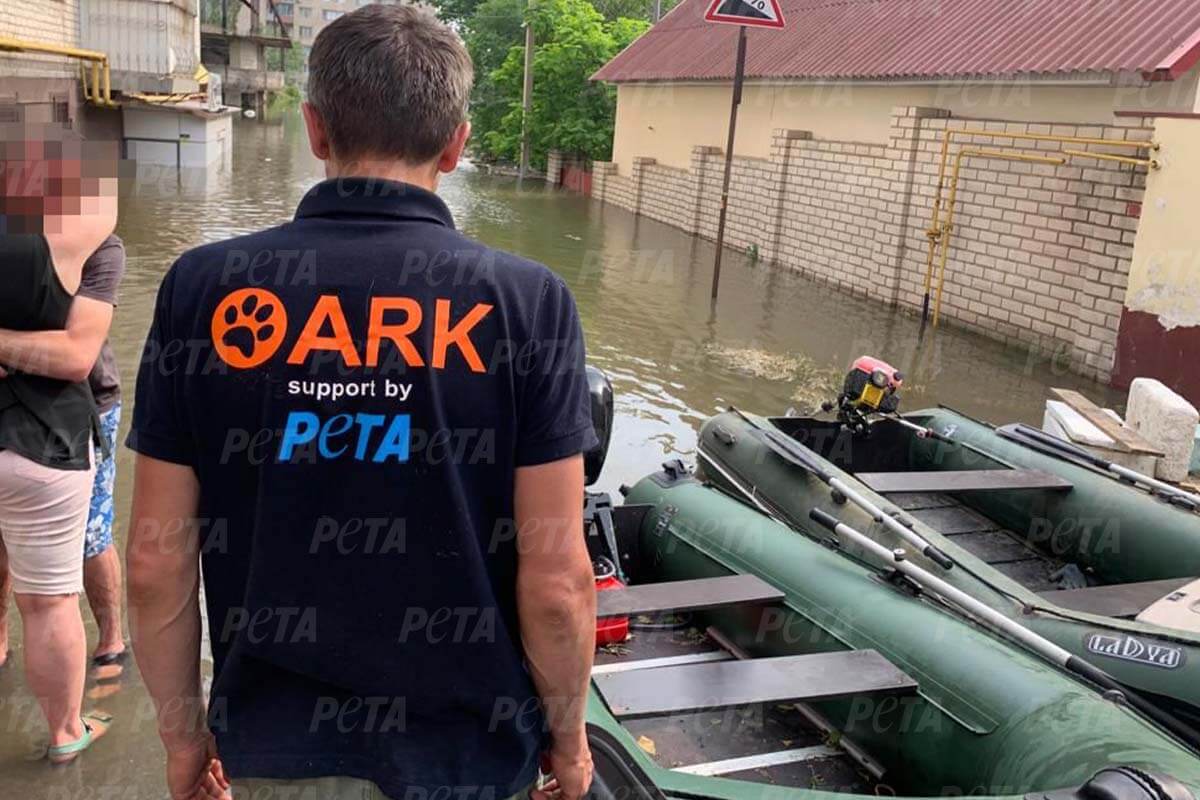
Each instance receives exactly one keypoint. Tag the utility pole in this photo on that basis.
(526, 101)
(738, 75)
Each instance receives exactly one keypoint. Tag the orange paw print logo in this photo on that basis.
(248, 327)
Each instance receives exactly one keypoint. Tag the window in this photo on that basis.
(305, 12)
(330, 16)
(305, 31)
(285, 9)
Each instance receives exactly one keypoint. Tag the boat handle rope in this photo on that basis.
(1040, 646)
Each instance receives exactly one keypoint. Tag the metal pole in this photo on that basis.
(738, 73)
(526, 102)
(657, 10)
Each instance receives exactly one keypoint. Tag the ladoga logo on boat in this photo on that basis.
(1131, 648)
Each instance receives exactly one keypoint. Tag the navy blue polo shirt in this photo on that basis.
(354, 390)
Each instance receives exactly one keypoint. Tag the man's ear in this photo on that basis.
(448, 160)
(318, 136)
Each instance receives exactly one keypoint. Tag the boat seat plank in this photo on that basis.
(721, 684)
(1125, 439)
(1118, 600)
(692, 595)
(964, 480)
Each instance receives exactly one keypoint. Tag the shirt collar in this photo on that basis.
(373, 197)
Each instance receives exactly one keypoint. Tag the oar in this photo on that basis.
(1037, 644)
(798, 456)
(1053, 446)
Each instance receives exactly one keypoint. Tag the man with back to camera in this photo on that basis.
(369, 429)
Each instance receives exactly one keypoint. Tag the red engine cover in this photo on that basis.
(869, 364)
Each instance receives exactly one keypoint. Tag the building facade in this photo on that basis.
(856, 120)
(46, 86)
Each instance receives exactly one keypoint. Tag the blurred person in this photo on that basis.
(81, 349)
(57, 206)
(369, 429)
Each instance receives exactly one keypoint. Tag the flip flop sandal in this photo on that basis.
(106, 659)
(66, 753)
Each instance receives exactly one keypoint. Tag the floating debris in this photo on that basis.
(815, 383)
(647, 744)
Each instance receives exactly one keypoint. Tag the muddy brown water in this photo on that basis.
(774, 340)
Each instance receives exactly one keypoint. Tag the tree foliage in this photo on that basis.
(570, 112)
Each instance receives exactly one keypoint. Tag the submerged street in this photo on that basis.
(774, 340)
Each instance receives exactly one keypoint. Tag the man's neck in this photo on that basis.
(424, 175)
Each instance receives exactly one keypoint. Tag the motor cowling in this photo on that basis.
(871, 387)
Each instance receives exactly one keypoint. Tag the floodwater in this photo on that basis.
(773, 340)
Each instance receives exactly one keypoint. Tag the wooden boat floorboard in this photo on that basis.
(1000, 548)
(696, 738)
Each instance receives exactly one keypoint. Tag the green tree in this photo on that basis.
(570, 112)
(492, 31)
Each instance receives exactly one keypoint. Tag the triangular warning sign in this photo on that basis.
(764, 13)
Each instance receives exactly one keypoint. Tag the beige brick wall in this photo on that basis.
(49, 21)
(1039, 253)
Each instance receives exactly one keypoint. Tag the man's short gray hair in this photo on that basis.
(390, 82)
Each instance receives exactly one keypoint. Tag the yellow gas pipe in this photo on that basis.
(938, 232)
(953, 199)
(99, 63)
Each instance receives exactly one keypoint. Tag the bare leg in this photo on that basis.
(5, 590)
(55, 654)
(102, 582)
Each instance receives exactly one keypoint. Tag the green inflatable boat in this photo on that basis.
(764, 665)
(1105, 569)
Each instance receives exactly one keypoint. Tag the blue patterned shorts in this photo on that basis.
(98, 536)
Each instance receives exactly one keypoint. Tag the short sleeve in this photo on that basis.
(103, 271)
(159, 428)
(555, 413)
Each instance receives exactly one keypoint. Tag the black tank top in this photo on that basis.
(46, 420)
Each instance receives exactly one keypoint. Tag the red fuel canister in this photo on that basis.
(609, 630)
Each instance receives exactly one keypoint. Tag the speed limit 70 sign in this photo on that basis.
(763, 13)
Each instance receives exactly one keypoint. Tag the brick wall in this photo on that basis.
(1038, 252)
(48, 21)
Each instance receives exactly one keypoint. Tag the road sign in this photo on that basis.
(763, 13)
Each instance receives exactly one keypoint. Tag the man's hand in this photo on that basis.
(571, 767)
(194, 772)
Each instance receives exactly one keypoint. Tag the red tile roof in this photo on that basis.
(923, 39)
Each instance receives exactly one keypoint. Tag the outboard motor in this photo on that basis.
(598, 510)
(600, 392)
(871, 387)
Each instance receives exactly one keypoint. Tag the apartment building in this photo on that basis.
(309, 17)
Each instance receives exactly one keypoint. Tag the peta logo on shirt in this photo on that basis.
(249, 326)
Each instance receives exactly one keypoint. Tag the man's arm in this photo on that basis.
(68, 354)
(556, 602)
(163, 565)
